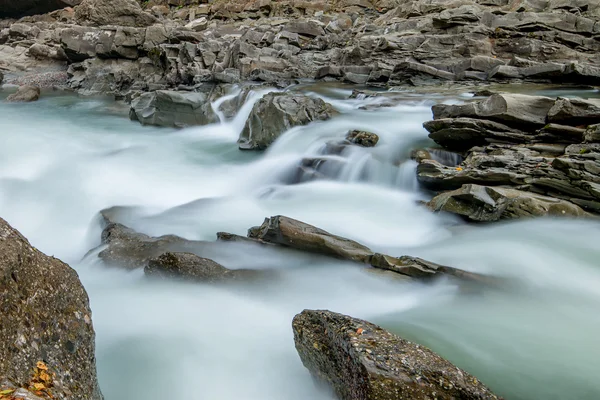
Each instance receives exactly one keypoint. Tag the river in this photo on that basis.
(63, 159)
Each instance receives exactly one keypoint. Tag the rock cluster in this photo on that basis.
(541, 155)
(116, 46)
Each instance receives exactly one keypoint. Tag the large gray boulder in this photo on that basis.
(362, 361)
(112, 12)
(489, 204)
(172, 109)
(575, 111)
(275, 113)
(20, 8)
(25, 94)
(46, 334)
(511, 109)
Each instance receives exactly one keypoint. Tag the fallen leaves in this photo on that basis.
(459, 169)
(42, 381)
(5, 393)
(359, 331)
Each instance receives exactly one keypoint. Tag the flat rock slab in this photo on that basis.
(362, 361)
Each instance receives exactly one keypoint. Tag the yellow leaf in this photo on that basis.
(39, 386)
(44, 377)
(7, 391)
(458, 168)
(41, 366)
(360, 331)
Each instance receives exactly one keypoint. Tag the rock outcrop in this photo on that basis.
(361, 361)
(523, 143)
(490, 204)
(46, 334)
(25, 94)
(172, 109)
(275, 113)
(362, 138)
(380, 43)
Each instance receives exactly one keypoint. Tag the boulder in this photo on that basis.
(363, 139)
(489, 204)
(129, 249)
(301, 236)
(16, 9)
(517, 110)
(361, 361)
(275, 113)
(112, 12)
(414, 73)
(191, 267)
(198, 25)
(172, 109)
(25, 94)
(575, 111)
(46, 334)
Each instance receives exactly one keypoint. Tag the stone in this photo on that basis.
(516, 110)
(415, 73)
(16, 9)
(46, 317)
(172, 109)
(575, 111)
(361, 361)
(112, 12)
(25, 94)
(198, 25)
(129, 249)
(306, 28)
(363, 139)
(275, 113)
(301, 236)
(191, 267)
(592, 133)
(490, 204)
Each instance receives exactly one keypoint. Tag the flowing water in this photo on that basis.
(63, 159)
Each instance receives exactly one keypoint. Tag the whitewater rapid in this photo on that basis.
(63, 159)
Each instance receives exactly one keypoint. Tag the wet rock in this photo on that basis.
(172, 109)
(361, 361)
(362, 138)
(25, 94)
(275, 113)
(419, 268)
(129, 249)
(191, 267)
(301, 236)
(45, 317)
(489, 204)
(16, 9)
(575, 111)
(415, 74)
(112, 12)
(517, 110)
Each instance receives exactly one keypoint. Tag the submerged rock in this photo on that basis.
(46, 318)
(301, 236)
(275, 113)
(194, 268)
(25, 94)
(362, 138)
(362, 361)
(488, 204)
(172, 109)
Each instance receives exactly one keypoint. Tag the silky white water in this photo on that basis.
(63, 159)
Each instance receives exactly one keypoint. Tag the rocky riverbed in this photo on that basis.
(367, 136)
